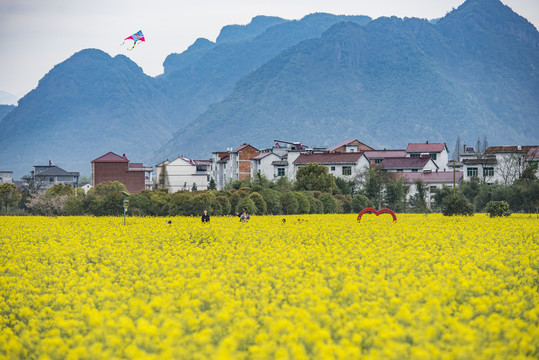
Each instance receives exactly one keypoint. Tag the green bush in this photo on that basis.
(261, 206)
(360, 202)
(289, 203)
(330, 205)
(457, 205)
(498, 208)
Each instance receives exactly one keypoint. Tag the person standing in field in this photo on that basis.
(206, 217)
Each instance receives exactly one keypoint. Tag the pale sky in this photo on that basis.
(38, 34)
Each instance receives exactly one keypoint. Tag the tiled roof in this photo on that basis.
(333, 148)
(241, 147)
(380, 154)
(433, 177)
(425, 147)
(135, 165)
(261, 155)
(405, 163)
(532, 149)
(325, 158)
(110, 157)
(56, 171)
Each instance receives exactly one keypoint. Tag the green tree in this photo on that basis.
(139, 204)
(9, 195)
(330, 205)
(283, 183)
(211, 185)
(418, 202)
(261, 180)
(316, 205)
(180, 204)
(224, 203)
(304, 207)
(395, 195)
(103, 189)
(315, 177)
(360, 202)
(457, 205)
(60, 189)
(246, 203)
(73, 206)
(260, 203)
(440, 194)
(289, 203)
(345, 187)
(204, 201)
(273, 202)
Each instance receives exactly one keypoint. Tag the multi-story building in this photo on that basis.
(232, 165)
(113, 167)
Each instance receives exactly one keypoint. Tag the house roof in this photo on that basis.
(135, 165)
(425, 147)
(261, 155)
(526, 149)
(380, 154)
(110, 157)
(202, 162)
(243, 146)
(405, 162)
(347, 142)
(56, 171)
(433, 177)
(325, 158)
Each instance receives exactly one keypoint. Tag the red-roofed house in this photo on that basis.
(376, 156)
(507, 162)
(437, 151)
(341, 164)
(353, 145)
(113, 167)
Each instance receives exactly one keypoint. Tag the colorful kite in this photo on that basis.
(138, 36)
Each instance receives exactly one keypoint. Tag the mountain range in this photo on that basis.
(319, 80)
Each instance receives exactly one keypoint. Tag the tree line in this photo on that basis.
(315, 191)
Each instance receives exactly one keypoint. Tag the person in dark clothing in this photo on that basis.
(206, 217)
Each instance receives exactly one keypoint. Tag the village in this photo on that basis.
(426, 162)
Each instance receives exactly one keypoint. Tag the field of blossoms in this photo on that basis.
(312, 287)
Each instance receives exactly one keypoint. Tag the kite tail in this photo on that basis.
(135, 43)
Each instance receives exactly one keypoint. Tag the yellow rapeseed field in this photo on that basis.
(313, 287)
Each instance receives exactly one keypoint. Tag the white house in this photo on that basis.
(433, 181)
(437, 151)
(49, 175)
(345, 165)
(499, 164)
(183, 174)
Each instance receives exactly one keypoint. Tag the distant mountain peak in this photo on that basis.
(258, 25)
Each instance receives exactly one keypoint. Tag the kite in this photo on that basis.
(138, 36)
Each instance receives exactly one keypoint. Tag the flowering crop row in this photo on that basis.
(315, 286)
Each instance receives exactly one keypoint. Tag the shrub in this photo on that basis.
(246, 203)
(261, 206)
(360, 202)
(304, 207)
(289, 203)
(330, 205)
(456, 205)
(498, 208)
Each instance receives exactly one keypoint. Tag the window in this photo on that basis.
(414, 170)
(378, 161)
(51, 179)
(415, 155)
(471, 171)
(347, 170)
(488, 171)
(433, 156)
(280, 171)
(432, 189)
(333, 168)
(534, 164)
